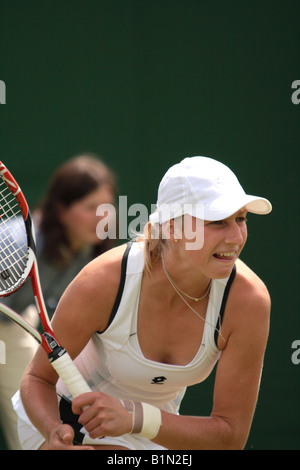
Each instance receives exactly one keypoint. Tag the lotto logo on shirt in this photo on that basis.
(159, 380)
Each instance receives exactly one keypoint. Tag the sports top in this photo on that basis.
(113, 363)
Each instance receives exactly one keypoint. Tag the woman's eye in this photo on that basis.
(217, 222)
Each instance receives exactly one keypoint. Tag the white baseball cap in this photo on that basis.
(206, 184)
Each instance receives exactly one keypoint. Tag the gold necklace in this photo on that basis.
(197, 299)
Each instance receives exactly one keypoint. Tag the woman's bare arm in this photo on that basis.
(237, 378)
(83, 309)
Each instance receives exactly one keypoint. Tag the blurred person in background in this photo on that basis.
(66, 240)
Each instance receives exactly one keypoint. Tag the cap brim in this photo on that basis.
(221, 208)
(226, 207)
(259, 205)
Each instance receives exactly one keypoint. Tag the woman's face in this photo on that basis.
(223, 242)
(80, 219)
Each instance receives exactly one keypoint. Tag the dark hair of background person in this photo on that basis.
(74, 180)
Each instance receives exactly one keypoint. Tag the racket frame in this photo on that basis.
(57, 355)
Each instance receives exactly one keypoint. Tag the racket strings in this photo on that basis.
(13, 239)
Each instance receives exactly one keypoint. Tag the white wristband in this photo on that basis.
(146, 419)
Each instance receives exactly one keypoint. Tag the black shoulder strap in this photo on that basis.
(121, 285)
(224, 301)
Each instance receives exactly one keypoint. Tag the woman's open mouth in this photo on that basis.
(225, 256)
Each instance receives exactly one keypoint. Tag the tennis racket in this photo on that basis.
(17, 263)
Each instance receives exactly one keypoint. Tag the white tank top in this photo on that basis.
(113, 363)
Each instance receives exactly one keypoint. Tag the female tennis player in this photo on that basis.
(148, 319)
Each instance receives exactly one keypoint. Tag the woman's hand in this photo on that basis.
(102, 415)
(62, 439)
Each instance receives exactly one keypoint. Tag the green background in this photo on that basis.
(146, 83)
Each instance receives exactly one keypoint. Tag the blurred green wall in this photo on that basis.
(145, 83)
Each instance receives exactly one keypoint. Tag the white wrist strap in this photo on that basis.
(146, 419)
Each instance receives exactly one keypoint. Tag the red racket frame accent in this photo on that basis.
(15, 189)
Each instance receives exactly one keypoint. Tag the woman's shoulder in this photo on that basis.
(106, 267)
(100, 278)
(248, 308)
(95, 288)
(249, 288)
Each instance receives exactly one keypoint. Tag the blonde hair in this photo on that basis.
(156, 239)
(154, 244)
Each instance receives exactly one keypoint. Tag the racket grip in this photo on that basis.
(70, 375)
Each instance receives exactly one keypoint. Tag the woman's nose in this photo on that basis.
(235, 234)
